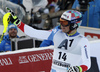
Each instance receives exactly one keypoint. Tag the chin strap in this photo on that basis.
(68, 33)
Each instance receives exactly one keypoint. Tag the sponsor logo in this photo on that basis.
(75, 25)
(6, 44)
(5, 61)
(85, 47)
(92, 35)
(12, 26)
(35, 58)
(65, 15)
(62, 64)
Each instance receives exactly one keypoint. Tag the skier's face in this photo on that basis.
(12, 33)
(65, 28)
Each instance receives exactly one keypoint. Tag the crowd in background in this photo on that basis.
(53, 6)
(91, 17)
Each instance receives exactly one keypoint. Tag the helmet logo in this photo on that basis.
(74, 21)
(75, 25)
(66, 16)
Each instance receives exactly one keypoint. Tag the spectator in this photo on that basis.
(5, 44)
(91, 18)
(48, 23)
(71, 49)
(65, 4)
(50, 1)
(50, 9)
(19, 2)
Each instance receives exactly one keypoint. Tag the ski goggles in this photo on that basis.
(64, 22)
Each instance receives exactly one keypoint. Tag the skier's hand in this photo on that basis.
(74, 69)
(13, 18)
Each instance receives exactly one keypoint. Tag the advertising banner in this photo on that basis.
(32, 61)
(90, 33)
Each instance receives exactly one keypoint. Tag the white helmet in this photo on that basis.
(72, 18)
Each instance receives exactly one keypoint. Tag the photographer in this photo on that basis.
(35, 20)
(91, 17)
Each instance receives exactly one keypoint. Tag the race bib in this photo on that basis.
(62, 58)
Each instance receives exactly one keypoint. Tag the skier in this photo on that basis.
(71, 49)
(69, 44)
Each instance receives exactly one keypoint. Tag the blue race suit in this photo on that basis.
(50, 39)
(5, 44)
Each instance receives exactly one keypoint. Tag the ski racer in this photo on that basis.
(71, 49)
(66, 38)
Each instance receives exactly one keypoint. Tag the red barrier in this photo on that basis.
(92, 35)
(31, 61)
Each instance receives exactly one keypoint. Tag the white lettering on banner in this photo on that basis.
(94, 37)
(88, 36)
(35, 58)
(23, 59)
(5, 61)
(32, 58)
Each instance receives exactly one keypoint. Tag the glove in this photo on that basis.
(74, 69)
(13, 18)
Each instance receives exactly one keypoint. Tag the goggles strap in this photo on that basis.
(73, 21)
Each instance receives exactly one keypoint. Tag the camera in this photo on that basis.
(35, 17)
(84, 4)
